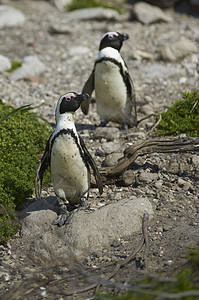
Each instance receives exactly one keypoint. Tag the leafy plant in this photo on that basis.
(15, 64)
(80, 4)
(181, 117)
(22, 138)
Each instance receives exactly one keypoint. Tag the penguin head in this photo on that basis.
(113, 39)
(69, 103)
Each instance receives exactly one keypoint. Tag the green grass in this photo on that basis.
(181, 117)
(22, 138)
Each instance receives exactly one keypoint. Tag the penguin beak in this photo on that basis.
(81, 97)
(123, 37)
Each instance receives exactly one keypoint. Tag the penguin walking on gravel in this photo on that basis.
(114, 90)
(68, 158)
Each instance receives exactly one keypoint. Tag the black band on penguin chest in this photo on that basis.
(124, 75)
(72, 134)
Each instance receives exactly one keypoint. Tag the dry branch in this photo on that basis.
(156, 145)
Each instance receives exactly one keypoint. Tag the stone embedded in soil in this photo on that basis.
(108, 133)
(85, 232)
(111, 159)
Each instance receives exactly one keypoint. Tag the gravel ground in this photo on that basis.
(169, 181)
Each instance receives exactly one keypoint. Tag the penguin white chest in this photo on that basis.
(110, 90)
(69, 173)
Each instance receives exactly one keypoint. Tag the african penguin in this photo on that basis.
(68, 158)
(114, 90)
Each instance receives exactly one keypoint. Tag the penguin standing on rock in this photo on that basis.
(114, 90)
(68, 158)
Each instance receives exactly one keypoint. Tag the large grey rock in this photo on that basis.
(97, 13)
(85, 232)
(178, 50)
(5, 63)
(10, 16)
(148, 14)
(31, 66)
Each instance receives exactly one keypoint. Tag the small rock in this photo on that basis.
(31, 67)
(146, 109)
(148, 14)
(97, 13)
(10, 16)
(185, 185)
(195, 161)
(5, 63)
(108, 133)
(128, 177)
(158, 184)
(60, 28)
(108, 148)
(178, 50)
(111, 159)
(140, 55)
(147, 177)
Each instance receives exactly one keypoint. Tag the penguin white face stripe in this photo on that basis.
(110, 34)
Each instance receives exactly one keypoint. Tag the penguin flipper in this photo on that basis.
(88, 89)
(41, 168)
(129, 82)
(93, 165)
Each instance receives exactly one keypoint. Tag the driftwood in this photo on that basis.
(156, 145)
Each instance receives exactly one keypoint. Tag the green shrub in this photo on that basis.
(22, 138)
(79, 4)
(181, 117)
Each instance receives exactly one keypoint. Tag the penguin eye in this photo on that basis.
(69, 98)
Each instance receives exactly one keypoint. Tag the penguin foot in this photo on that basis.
(60, 220)
(124, 126)
(102, 123)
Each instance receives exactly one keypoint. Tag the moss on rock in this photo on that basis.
(22, 138)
